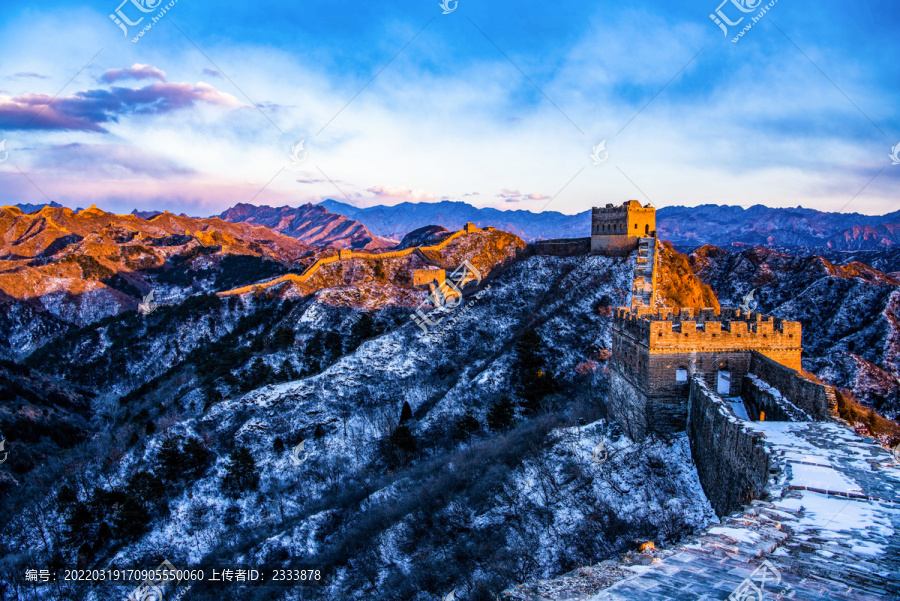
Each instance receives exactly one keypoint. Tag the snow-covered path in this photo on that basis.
(827, 531)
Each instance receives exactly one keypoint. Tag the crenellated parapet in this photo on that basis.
(705, 331)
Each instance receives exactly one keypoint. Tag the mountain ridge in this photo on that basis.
(720, 225)
(309, 223)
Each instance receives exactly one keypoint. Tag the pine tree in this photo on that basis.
(66, 496)
(171, 459)
(195, 457)
(464, 426)
(145, 486)
(258, 375)
(534, 380)
(400, 447)
(379, 270)
(131, 519)
(241, 473)
(500, 415)
(405, 413)
(315, 352)
(288, 372)
(333, 347)
(104, 534)
(79, 522)
(363, 329)
(284, 337)
(211, 394)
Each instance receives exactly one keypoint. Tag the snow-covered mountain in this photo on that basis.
(493, 475)
(850, 313)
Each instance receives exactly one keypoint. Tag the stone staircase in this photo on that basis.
(643, 286)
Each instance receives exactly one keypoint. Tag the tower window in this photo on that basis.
(680, 374)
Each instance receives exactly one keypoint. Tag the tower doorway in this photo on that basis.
(723, 383)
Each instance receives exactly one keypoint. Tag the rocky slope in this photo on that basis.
(311, 224)
(493, 477)
(850, 313)
(677, 285)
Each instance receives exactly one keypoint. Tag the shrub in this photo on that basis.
(241, 473)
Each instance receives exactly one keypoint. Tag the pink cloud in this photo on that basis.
(135, 71)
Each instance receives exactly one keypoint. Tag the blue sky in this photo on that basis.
(497, 104)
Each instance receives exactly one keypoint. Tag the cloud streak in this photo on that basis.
(88, 110)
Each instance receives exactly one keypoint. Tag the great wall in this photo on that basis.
(808, 508)
(346, 255)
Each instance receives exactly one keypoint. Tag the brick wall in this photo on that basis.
(765, 401)
(564, 247)
(422, 277)
(732, 462)
(809, 396)
(616, 245)
(775, 338)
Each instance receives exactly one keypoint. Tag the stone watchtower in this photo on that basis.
(656, 354)
(617, 230)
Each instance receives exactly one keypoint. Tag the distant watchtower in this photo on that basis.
(616, 230)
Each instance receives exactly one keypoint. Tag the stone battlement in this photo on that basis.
(631, 205)
(424, 277)
(732, 329)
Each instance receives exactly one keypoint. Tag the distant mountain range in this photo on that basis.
(309, 223)
(337, 224)
(720, 225)
(398, 220)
